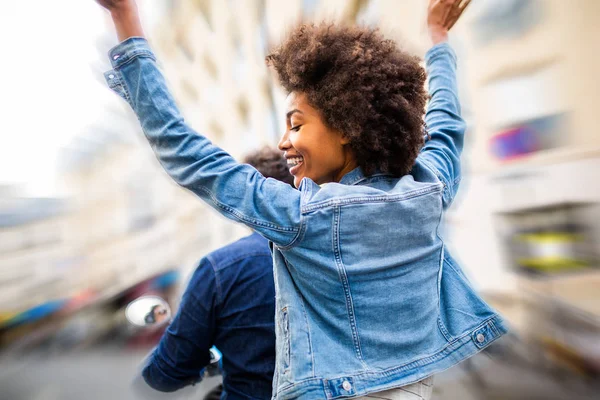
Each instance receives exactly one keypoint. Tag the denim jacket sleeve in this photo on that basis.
(445, 126)
(236, 190)
(184, 349)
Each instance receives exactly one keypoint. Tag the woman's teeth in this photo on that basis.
(294, 161)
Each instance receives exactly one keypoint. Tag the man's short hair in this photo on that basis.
(271, 163)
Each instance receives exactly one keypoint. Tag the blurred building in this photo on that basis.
(37, 259)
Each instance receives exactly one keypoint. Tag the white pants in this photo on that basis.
(416, 391)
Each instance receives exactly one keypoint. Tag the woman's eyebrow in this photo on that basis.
(290, 113)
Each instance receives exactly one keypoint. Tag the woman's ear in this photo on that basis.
(344, 140)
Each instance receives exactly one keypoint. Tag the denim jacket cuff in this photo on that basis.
(129, 49)
(439, 50)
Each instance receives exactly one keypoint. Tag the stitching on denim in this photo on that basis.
(244, 218)
(217, 282)
(445, 352)
(287, 340)
(443, 330)
(370, 199)
(460, 341)
(494, 329)
(441, 325)
(460, 274)
(344, 279)
(326, 389)
(310, 346)
(447, 189)
(304, 382)
(462, 312)
(121, 83)
(131, 55)
(370, 178)
(299, 235)
(304, 195)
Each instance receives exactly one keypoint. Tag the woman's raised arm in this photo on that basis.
(236, 190)
(445, 125)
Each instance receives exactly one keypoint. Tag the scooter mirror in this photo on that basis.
(148, 311)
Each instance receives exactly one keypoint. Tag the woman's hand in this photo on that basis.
(111, 5)
(442, 15)
(125, 16)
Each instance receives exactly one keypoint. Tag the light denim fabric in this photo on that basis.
(367, 297)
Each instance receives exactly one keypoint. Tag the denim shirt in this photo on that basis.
(229, 302)
(367, 296)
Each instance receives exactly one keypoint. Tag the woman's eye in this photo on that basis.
(295, 128)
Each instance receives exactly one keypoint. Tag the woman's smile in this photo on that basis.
(294, 163)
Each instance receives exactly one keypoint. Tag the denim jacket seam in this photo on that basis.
(309, 338)
(442, 327)
(245, 218)
(470, 332)
(369, 199)
(302, 382)
(444, 352)
(345, 284)
(370, 178)
(454, 269)
(447, 348)
(217, 282)
(448, 188)
(298, 237)
(122, 85)
(131, 55)
(437, 173)
(304, 194)
(326, 389)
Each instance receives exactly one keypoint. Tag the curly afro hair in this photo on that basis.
(363, 85)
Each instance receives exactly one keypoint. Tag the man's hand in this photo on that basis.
(125, 16)
(442, 15)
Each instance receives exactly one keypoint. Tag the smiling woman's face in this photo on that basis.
(311, 148)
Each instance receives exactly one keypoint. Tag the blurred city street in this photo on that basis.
(89, 221)
(107, 373)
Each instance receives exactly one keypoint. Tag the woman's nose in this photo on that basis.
(284, 142)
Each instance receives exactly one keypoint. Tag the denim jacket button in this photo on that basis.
(480, 338)
(111, 76)
(346, 386)
(116, 56)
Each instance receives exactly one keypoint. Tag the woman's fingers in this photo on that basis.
(439, 12)
(457, 10)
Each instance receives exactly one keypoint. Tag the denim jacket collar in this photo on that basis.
(357, 175)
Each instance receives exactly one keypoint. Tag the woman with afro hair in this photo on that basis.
(369, 302)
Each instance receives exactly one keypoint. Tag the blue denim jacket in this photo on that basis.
(367, 296)
(229, 302)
